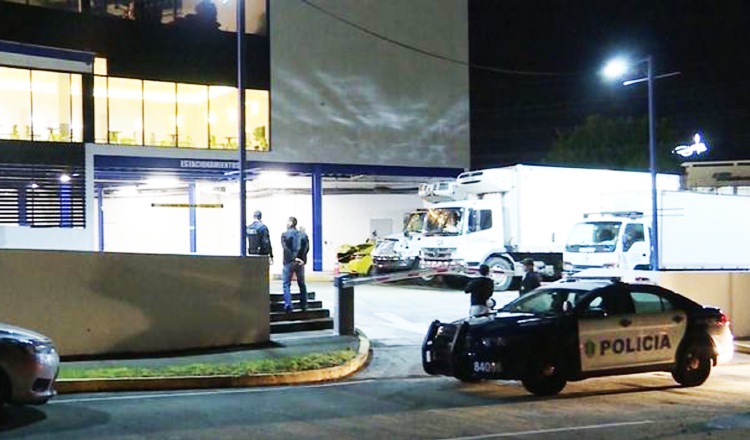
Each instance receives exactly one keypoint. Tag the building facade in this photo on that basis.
(119, 120)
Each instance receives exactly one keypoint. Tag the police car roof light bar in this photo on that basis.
(629, 214)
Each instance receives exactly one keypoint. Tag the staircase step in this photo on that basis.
(311, 305)
(302, 326)
(299, 315)
(279, 297)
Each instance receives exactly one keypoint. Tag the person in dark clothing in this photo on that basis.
(290, 241)
(481, 290)
(530, 280)
(258, 239)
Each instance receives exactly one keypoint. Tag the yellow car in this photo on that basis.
(356, 259)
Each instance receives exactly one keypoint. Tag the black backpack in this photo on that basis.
(254, 240)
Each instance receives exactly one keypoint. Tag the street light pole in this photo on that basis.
(241, 122)
(652, 167)
(615, 69)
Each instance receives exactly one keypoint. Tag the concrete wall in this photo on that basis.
(340, 94)
(106, 303)
(728, 290)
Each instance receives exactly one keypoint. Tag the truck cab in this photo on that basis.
(400, 251)
(609, 240)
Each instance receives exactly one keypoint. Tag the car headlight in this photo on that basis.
(493, 341)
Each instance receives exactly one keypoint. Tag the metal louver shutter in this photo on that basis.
(48, 194)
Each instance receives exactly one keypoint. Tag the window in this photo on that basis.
(160, 113)
(650, 303)
(256, 120)
(192, 115)
(41, 106)
(480, 220)
(101, 113)
(222, 117)
(15, 103)
(633, 234)
(125, 97)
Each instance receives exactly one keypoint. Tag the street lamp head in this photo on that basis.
(615, 68)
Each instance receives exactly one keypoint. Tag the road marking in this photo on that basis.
(553, 430)
(403, 324)
(205, 393)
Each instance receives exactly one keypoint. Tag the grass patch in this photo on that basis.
(313, 361)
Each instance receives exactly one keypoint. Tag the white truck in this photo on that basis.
(696, 231)
(400, 251)
(506, 214)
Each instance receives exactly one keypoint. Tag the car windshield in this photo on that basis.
(594, 235)
(443, 221)
(545, 301)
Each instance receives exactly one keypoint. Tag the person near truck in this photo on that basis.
(481, 290)
(258, 239)
(293, 265)
(530, 279)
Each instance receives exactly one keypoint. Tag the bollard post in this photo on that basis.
(344, 323)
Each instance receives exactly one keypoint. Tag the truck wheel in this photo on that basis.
(693, 366)
(502, 281)
(545, 379)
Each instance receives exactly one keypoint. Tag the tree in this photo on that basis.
(620, 143)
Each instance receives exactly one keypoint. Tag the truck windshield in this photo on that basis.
(443, 221)
(414, 222)
(596, 236)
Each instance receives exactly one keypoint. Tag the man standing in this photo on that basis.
(258, 239)
(290, 241)
(481, 290)
(530, 279)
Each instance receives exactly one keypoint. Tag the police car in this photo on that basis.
(581, 328)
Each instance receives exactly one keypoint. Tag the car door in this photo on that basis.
(661, 326)
(605, 324)
(635, 250)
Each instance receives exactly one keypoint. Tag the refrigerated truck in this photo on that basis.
(696, 231)
(506, 214)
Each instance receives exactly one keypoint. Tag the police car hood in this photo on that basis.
(18, 333)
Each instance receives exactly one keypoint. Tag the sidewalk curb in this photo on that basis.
(68, 386)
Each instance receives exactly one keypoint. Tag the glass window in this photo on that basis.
(100, 66)
(650, 303)
(101, 115)
(76, 101)
(15, 103)
(222, 117)
(256, 120)
(192, 115)
(51, 100)
(633, 234)
(125, 111)
(160, 113)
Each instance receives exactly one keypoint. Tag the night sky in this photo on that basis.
(559, 46)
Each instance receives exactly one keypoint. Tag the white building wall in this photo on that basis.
(342, 95)
(132, 224)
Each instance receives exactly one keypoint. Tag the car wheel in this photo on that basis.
(502, 282)
(545, 379)
(693, 366)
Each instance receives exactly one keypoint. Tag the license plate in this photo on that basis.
(487, 367)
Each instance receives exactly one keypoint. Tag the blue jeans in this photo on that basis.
(286, 277)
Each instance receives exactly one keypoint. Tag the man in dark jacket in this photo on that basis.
(258, 239)
(530, 280)
(290, 241)
(481, 290)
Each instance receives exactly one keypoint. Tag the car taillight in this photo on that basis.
(721, 320)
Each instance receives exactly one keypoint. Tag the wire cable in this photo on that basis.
(426, 52)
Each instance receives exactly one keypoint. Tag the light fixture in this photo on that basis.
(616, 68)
(697, 148)
(65, 178)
